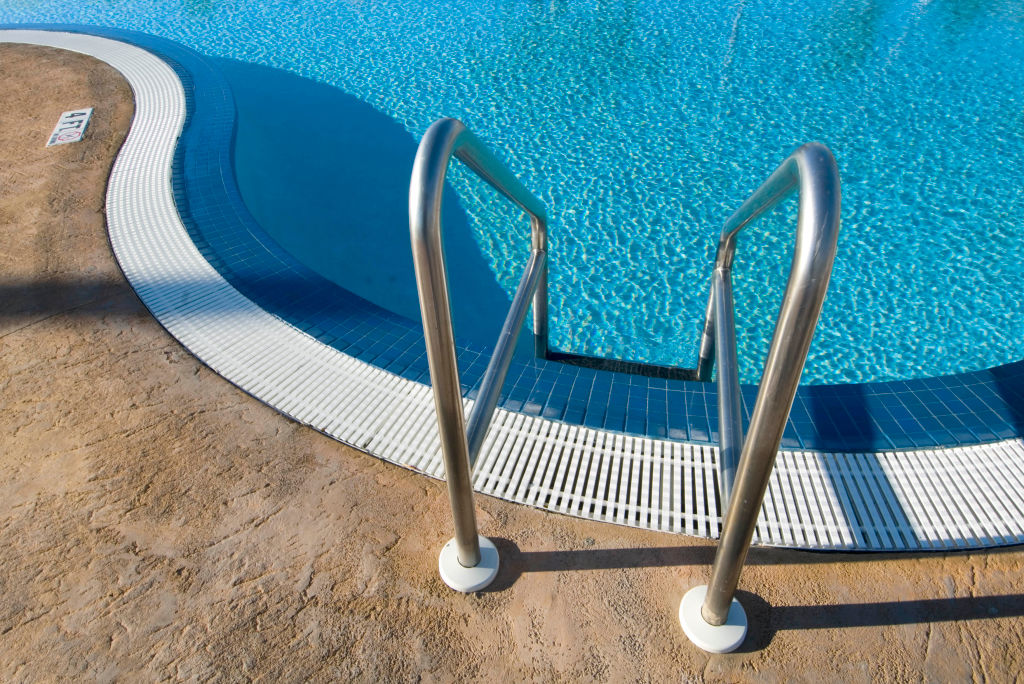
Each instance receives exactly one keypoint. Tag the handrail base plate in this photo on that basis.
(711, 638)
(467, 580)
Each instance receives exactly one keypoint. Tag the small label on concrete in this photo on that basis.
(71, 127)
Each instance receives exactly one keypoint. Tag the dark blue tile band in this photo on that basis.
(954, 410)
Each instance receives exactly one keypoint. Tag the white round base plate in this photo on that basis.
(468, 580)
(720, 639)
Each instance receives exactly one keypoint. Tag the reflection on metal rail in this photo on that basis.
(468, 562)
(711, 616)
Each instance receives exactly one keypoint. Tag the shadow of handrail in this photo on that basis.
(882, 613)
(768, 619)
(669, 556)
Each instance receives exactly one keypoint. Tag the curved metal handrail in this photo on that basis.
(460, 444)
(813, 170)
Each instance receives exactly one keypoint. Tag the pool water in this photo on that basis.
(642, 125)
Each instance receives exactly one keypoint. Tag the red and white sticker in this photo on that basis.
(70, 127)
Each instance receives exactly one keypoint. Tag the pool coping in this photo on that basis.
(659, 483)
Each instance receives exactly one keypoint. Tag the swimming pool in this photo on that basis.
(642, 125)
(355, 371)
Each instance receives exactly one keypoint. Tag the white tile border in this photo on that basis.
(942, 499)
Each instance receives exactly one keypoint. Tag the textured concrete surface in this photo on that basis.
(157, 523)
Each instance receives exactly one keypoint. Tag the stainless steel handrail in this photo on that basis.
(811, 169)
(461, 445)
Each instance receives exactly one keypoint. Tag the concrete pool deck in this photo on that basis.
(159, 523)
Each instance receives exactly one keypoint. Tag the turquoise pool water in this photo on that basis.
(643, 124)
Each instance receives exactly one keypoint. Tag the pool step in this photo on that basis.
(649, 370)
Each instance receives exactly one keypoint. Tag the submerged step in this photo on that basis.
(649, 370)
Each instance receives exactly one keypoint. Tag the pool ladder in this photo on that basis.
(710, 615)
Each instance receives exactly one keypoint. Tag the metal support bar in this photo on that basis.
(494, 376)
(730, 416)
(811, 169)
(706, 351)
(445, 138)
